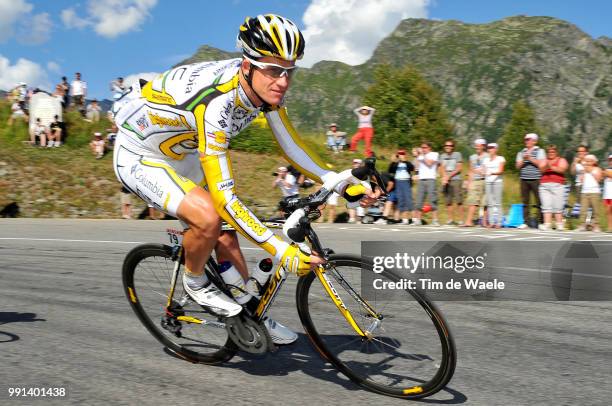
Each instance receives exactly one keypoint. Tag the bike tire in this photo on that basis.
(152, 264)
(321, 320)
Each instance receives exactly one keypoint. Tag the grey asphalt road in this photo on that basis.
(64, 322)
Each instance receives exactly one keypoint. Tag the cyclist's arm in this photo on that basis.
(213, 148)
(294, 149)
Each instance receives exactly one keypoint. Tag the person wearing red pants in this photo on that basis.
(365, 130)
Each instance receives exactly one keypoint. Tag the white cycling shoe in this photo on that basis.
(280, 334)
(210, 296)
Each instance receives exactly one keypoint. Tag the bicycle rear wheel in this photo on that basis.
(147, 276)
(410, 354)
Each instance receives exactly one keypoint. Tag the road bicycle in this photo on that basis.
(399, 346)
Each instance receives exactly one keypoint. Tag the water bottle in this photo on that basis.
(234, 280)
(259, 277)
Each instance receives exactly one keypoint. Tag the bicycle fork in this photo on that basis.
(321, 274)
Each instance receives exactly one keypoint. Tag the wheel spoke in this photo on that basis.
(386, 360)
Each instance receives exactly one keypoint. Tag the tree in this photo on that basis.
(522, 122)
(408, 109)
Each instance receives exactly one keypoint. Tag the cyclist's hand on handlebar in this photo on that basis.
(360, 195)
(369, 198)
(297, 261)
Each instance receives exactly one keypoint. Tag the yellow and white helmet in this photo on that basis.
(271, 35)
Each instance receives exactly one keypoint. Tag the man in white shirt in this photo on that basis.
(78, 91)
(286, 182)
(427, 165)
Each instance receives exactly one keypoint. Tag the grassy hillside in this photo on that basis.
(69, 182)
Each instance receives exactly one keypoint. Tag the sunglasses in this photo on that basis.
(448, 145)
(273, 70)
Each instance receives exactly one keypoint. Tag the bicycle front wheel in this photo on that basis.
(184, 327)
(409, 351)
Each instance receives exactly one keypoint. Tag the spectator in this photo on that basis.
(332, 203)
(402, 177)
(336, 140)
(56, 131)
(286, 182)
(66, 88)
(493, 165)
(126, 203)
(300, 179)
(577, 167)
(476, 183)
(111, 134)
(358, 211)
(93, 111)
(117, 88)
(428, 167)
(528, 161)
(607, 193)
(552, 188)
(21, 94)
(17, 113)
(390, 214)
(59, 93)
(97, 145)
(78, 92)
(451, 165)
(591, 192)
(365, 130)
(39, 131)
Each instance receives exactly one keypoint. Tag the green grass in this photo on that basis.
(69, 182)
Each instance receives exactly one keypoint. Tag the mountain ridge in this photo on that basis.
(481, 70)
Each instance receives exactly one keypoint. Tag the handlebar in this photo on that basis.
(297, 209)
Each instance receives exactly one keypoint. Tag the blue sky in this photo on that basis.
(42, 40)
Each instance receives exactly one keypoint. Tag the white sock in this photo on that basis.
(195, 282)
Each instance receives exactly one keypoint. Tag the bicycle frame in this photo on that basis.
(274, 284)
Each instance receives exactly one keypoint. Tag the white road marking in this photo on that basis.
(96, 241)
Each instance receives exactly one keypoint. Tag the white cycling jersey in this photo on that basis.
(174, 134)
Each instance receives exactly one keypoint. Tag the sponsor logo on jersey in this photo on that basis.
(150, 184)
(243, 215)
(142, 123)
(161, 121)
(218, 136)
(225, 185)
(215, 147)
(160, 98)
(193, 76)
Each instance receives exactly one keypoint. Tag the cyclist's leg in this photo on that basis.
(172, 187)
(228, 249)
(198, 212)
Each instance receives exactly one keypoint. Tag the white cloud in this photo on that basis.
(11, 11)
(72, 20)
(130, 79)
(35, 29)
(54, 67)
(23, 70)
(110, 18)
(349, 30)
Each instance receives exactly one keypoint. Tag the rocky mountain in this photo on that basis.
(481, 70)
(208, 53)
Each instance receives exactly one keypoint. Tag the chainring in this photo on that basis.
(249, 335)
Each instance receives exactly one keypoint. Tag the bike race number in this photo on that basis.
(175, 236)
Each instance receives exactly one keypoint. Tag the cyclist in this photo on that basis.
(172, 151)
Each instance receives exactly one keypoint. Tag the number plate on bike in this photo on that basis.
(175, 236)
